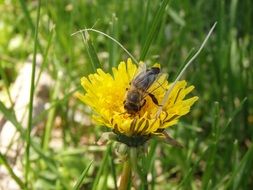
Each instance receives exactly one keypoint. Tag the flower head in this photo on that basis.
(106, 94)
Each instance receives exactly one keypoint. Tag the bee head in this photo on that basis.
(131, 108)
(156, 69)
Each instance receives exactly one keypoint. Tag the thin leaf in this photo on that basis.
(91, 51)
(10, 116)
(244, 168)
(153, 29)
(82, 176)
(113, 53)
(103, 165)
(30, 111)
(29, 19)
(11, 172)
(111, 38)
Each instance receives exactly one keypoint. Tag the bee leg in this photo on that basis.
(144, 102)
(153, 98)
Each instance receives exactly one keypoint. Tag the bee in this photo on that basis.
(138, 90)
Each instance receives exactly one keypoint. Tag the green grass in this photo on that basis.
(217, 134)
(31, 99)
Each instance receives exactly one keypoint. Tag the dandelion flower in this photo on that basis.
(105, 94)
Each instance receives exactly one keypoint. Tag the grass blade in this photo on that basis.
(51, 116)
(91, 51)
(103, 165)
(244, 168)
(184, 69)
(32, 87)
(5, 81)
(11, 172)
(10, 116)
(111, 38)
(153, 29)
(29, 19)
(45, 55)
(81, 178)
(145, 23)
(113, 53)
(113, 169)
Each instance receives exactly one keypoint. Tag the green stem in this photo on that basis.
(11, 172)
(29, 128)
(102, 168)
(51, 116)
(125, 175)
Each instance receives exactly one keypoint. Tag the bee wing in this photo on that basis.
(160, 82)
(140, 72)
(139, 76)
(150, 78)
(144, 78)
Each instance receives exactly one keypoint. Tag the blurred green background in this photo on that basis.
(217, 133)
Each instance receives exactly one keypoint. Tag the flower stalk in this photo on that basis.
(125, 175)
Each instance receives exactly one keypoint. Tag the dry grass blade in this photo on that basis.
(165, 98)
(111, 38)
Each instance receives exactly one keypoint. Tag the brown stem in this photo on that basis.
(125, 176)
